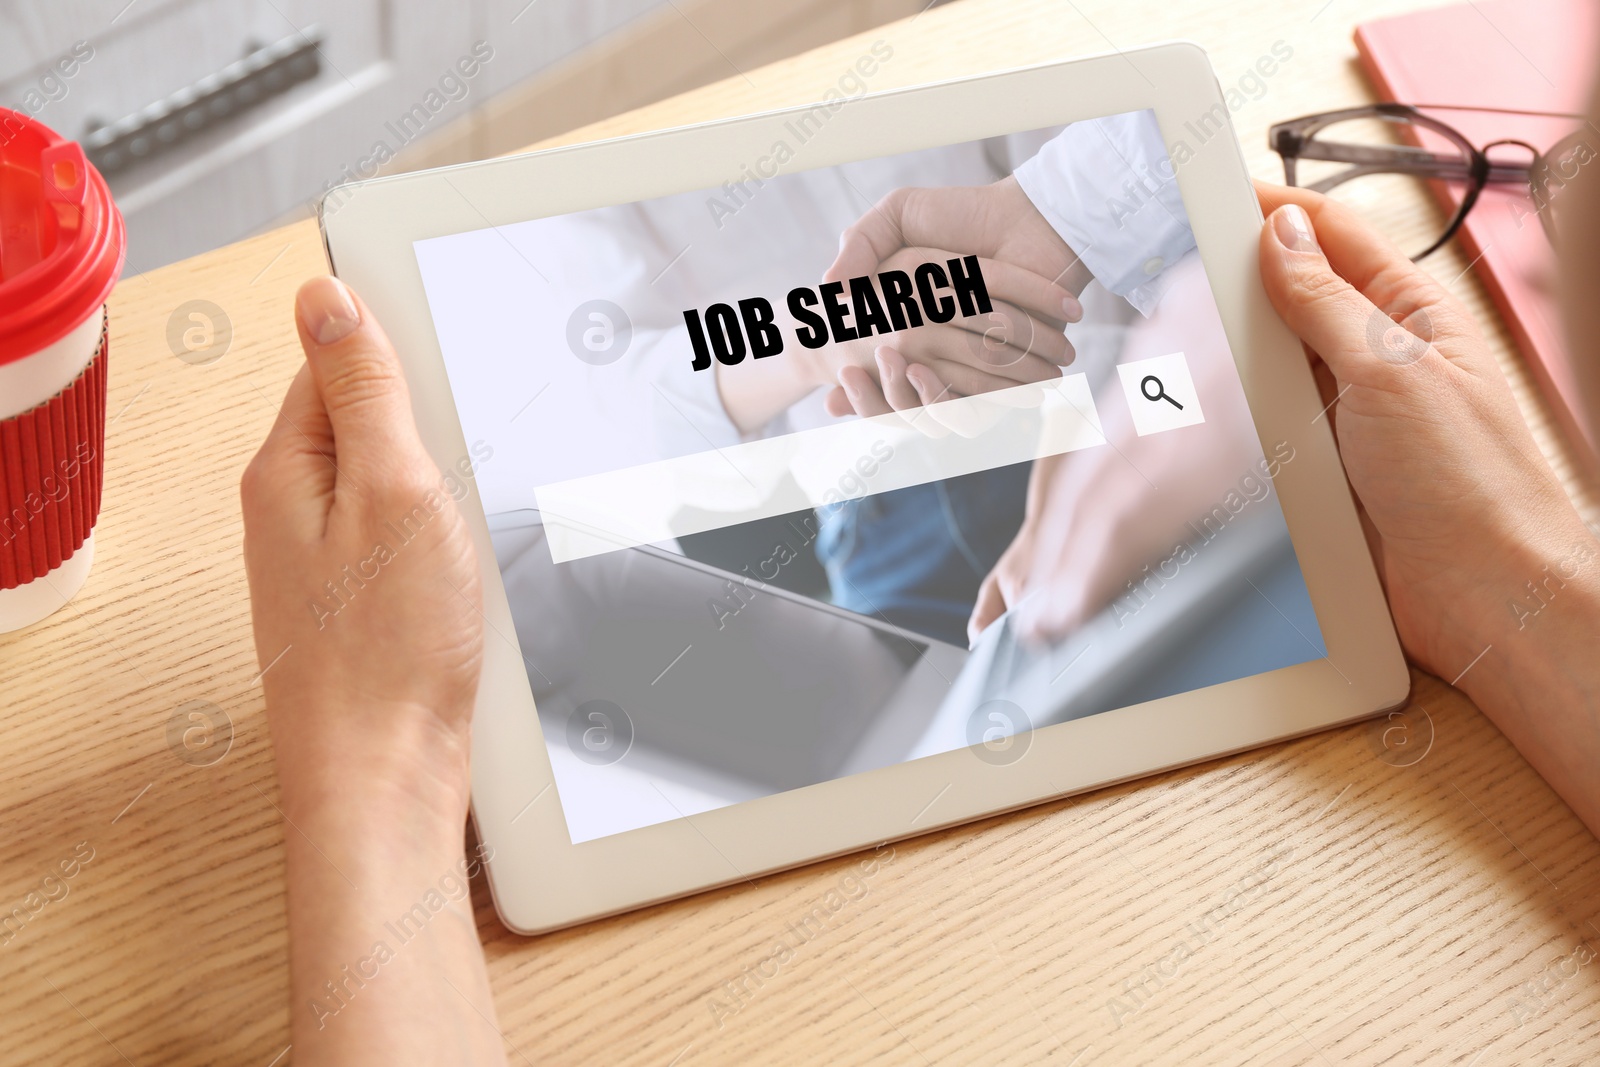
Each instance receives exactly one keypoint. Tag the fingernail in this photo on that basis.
(885, 371)
(850, 391)
(1072, 309)
(326, 310)
(1293, 227)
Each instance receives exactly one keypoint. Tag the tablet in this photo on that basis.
(731, 630)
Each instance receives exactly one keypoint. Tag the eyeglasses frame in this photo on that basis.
(1296, 139)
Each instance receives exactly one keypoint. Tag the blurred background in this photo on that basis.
(215, 119)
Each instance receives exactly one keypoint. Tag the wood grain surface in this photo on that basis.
(1346, 898)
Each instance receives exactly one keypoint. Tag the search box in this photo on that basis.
(691, 494)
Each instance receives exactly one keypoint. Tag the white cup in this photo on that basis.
(62, 244)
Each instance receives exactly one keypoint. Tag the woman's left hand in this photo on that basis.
(363, 579)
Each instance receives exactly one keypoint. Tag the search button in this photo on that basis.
(1160, 393)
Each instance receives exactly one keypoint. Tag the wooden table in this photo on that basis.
(1413, 910)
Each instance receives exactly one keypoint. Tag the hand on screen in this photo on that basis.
(916, 390)
(1095, 518)
(1019, 341)
(1033, 277)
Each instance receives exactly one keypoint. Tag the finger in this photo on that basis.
(1090, 557)
(1056, 596)
(988, 410)
(1042, 297)
(1405, 309)
(1030, 291)
(1002, 280)
(931, 389)
(876, 235)
(836, 403)
(1008, 333)
(924, 417)
(359, 380)
(968, 380)
(1272, 197)
(897, 388)
(952, 217)
(966, 420)
(1057, 564)
(1325, 310)
(989, 607)
(1358, 253)
(933, 344)
(862, 392)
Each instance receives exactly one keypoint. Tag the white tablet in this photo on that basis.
(727, 626)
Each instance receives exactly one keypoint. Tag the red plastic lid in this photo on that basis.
(61, 238)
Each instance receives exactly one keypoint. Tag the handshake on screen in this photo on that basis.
(907, 300)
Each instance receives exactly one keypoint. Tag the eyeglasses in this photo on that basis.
(1388, 166)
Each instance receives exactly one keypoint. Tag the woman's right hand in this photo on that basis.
(1492, 577)
(1461, 510)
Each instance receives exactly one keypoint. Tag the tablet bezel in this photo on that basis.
(540, 881)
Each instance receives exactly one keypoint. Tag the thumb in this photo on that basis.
(358, 377)
(872, 238)
(1353, 336)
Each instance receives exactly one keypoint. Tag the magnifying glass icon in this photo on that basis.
(1159, 394)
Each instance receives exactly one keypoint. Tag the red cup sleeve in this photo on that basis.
(51, 462)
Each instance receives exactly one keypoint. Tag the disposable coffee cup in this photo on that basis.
(62, 245)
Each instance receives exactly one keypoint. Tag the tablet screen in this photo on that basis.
(1039, 493)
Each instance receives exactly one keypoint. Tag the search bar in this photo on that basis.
(759, 479)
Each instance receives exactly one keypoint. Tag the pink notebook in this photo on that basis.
(1533, 54)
